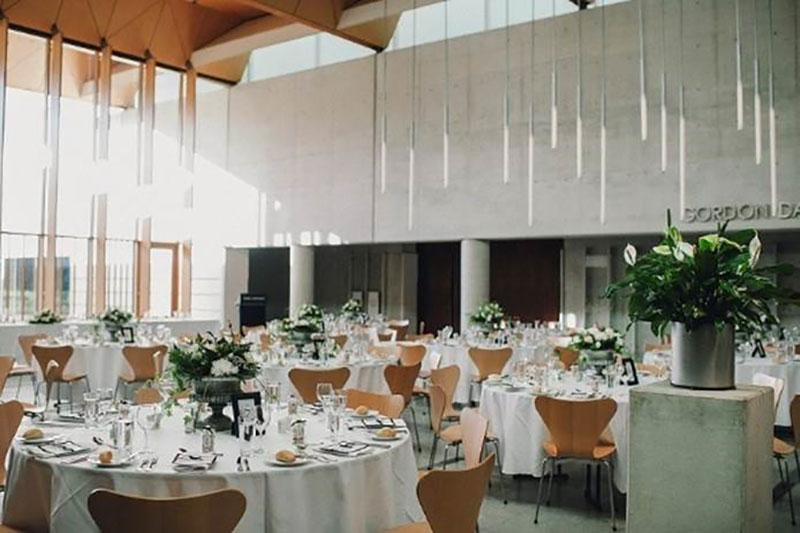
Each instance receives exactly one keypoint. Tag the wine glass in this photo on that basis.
(263, 418)
(324, 392)
(148, 417)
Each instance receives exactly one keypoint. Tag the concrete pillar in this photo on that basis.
(301, 276)
(474, 277)
(237, 268)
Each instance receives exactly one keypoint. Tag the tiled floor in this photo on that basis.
(569, 511)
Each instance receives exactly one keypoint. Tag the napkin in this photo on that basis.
(57, 449)
(345, 448)
(192, 462)
(383, 422)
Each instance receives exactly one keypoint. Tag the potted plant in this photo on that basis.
(598, 346)
(353, 310)
(46, 317)
(114, 319)
(488, 317)
(215, 367)
(701, 293)
(307, 322)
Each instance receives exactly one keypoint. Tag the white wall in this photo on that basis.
(309, 140)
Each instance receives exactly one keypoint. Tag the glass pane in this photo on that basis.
(119, 275)
(71, 276)
(160, 282)
(18, 277)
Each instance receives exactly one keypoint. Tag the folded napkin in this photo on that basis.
(193, 462)
(383, 422)
(345, 448)
(57, 449)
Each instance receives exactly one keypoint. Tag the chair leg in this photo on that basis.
(797, 463)
(19, 386)
(88, 387)
(783, 463)
(539, 496)
(499, 466)
(444, 461)
(433, 451)
(550, 481)
(116, 389)
(416, 428)
(58, 398)
(71, 398)
(611, 494)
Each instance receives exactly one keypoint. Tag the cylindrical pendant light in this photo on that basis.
(603, 112)
(663, 87)
(384, 92)
(3, 59)
(148, 119)
(773, 153)
(104, 101)
(531, 116)
(412, 130)
(189, 117)
(579, 94)
(739, 86)
(553, 84)
(507, 103)
(681, 122)
(446, 106)
(642, 74)
(756, 85)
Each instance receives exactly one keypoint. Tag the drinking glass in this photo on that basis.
(324, 392)
(91, 409)
(148, 417)
(273, 393)
(247, 421)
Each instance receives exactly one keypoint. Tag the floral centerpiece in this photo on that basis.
(215, 367)
(306, 323)
(353, 309)
(701, 293)
(488, 317)
(46, 317)
(114, 319)
(598, 346)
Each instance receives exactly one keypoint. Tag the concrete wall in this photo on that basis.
(310, 140)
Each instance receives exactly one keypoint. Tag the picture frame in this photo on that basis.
(128, 336)
(629, 375)
(244, 399)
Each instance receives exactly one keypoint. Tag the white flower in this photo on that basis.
(223, 367)
(755, 250)
(630, 255)
(662, 249)
(597, 345)
(686, 248)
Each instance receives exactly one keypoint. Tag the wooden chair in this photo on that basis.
(575, 429)
(451, 500)
(147, 396)
(6, 364)
(424, 338)
(386, 336)
(401, 380)
(567, 356)
(305, 380)
(488, 361)
(21, 370)
(781, 450)
(657, 347)
(390, 405)
(339, 340)
(401, 327)
(212, 512)
(60, 355)
(412, 354)
(474, 429)
(10, 418)
(447, 378)
(145, 362)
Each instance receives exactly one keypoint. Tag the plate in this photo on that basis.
(368, 415)
(297, 462)
(41, 440)
(113, 464)
(396, 437)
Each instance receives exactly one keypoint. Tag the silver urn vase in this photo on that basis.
(703, 358)
(217, 392)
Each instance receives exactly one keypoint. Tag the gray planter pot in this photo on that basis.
(703, 358)
(599, 359)
(217, 392)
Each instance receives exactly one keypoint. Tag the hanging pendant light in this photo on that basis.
(507, 104)
(383, 98)
(663, 87)
(739, 86)
(446, 107)
(681, 122)
(579, 95)
(642, 74)
(412, 130)
(553, 85)
(773, 155)
(531, 117)
(756, 85)
(603, 111)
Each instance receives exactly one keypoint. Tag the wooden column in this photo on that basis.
(189, 117)
(148, 119)
(186, 278)
(104, 101)
(100, 225)
(142, 274)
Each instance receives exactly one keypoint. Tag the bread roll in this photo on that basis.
(362, 410)
(285, 456)
(33, 433)
(386, 433)
(105, 457)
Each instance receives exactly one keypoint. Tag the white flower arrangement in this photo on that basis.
(596, 338)
(222, 367)
(489, 314)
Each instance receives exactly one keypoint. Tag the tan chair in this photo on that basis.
(575, 429)
(212, 512)
(401, 327)
(451, 500)
(21, 370)
(147, 396)
(488, 361)
(6, 364)
(657, 347)
(144, 364)
(390, 405)
(339, 340)
(401, 380)
(474, 429)
(10, 418)
(412, 354)
(447, 378)
(567, 356)
(424, 338)
(386, 336)
(305, 380)
(60, 355)
(781, 450)
(257, 329)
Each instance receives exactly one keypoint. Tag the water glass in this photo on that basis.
(273, 393)
(91, 409)
(324, 392)
(148, 417)
(122, 437)
(246, 421)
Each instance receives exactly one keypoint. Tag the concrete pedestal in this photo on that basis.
(475, 261)
(700, 461)
(301, 277)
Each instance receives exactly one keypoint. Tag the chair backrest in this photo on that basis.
(567, 356)
(473, 435)
(26, 342)
(657, 347)
(435, 359)
(412, 354)
(451, 499)
(438, 404)
(400, 326)
(147, 395)
(390, 405)
(6, 364)
(794, 415)
(213, 512)
(447, 378)
(652, 369)
(575, 425)
(264, 340)
(10, 418)
(340, 340)
(145, 361)
(386, 336)
(489, 361)
(59, 354)
(401, 379)
(421, 337)
(768, 381)
(305, 380)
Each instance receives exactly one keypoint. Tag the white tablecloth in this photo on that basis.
(366, 376)
(458, 354)
(368, 493)
(513, 418)
(788, 372)
(9, 333)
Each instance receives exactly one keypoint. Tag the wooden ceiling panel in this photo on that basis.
(134, 35)
(76, 19)
(166, 44)
(36, 14)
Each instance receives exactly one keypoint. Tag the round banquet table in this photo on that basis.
(366, 493)
(458, 354)
(789, 372)
(521, 431)
(366, 375)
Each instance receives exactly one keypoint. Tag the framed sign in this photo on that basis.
(127, 335)
(629, 376)
(242, 401)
